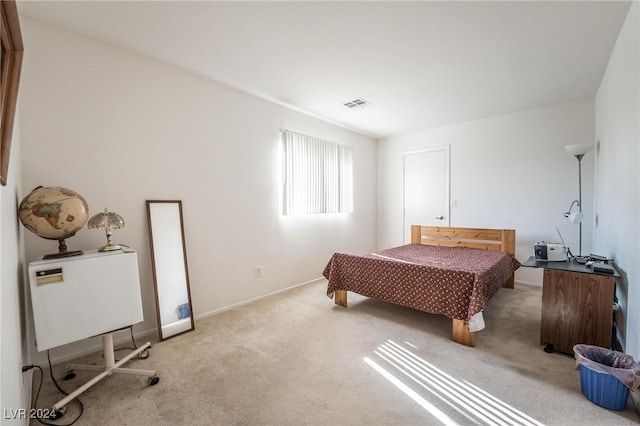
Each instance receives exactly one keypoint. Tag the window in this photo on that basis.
(317, 175)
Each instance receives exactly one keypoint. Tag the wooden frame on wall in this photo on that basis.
(10, 65)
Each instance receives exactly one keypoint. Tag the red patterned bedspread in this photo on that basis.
(453, 281)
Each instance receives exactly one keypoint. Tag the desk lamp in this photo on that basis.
(578, 151)
(107, 220)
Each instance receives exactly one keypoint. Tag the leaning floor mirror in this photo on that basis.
(169, 264)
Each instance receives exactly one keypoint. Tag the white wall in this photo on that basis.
(508, 171)
(121, 129)
(14, 385)
(617, 233)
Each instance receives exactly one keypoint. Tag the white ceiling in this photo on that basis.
(421, 64)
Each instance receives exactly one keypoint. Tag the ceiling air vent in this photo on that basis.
(357, 103)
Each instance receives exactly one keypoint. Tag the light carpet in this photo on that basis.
(297, 359)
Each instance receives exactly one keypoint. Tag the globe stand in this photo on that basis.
(62, 251)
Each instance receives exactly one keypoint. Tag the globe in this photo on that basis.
(54, 213)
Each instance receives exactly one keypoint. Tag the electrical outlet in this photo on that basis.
(258, 271)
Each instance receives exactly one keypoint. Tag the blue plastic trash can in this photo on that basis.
(605, 375)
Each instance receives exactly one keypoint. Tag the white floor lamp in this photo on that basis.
(578, 151)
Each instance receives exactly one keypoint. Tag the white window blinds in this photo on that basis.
(317, 175)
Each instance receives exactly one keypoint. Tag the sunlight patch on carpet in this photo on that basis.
(465, 398)
(412, 394)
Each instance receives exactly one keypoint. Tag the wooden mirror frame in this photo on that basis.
(166, 248)
(10, 66)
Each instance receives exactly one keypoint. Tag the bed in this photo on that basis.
(445, 270)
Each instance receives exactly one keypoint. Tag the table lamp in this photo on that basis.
(107, 220)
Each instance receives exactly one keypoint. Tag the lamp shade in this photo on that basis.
(579, 149)
(106, 220)
(575, 217)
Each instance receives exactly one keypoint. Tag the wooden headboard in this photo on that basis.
(488, 239)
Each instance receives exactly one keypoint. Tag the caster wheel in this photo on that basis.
(144, 354)
(69, 375)
(153, 380)
(548, 348)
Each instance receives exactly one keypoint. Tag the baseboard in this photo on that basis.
(255, 299)
(529, 283)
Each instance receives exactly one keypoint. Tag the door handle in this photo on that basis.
(439, 217)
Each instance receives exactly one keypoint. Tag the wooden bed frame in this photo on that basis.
(488, 239)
